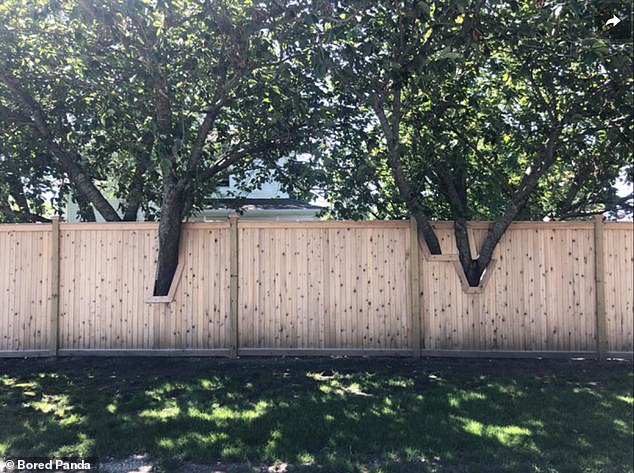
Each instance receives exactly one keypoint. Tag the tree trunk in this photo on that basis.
(135, 195)
(392, 138)
(137, 186)
(425, 229)
(172, 212)
(517, 202)
(454, 187)
(461, 234)
(492, 239)
(86, 188)
(413, 205)
(86, 211)
(69, 161)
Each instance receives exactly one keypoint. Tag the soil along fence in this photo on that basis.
(272, 288)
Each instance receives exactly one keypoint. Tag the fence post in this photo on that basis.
(55, 262)
(415, 287)
(233, 285)
(599, 278)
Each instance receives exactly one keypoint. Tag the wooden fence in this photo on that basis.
(323, 288)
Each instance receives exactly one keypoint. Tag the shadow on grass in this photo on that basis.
(340, 415)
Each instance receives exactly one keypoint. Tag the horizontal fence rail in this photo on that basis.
(315, 288)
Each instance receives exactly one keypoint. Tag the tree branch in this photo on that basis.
(69, 161)
(401, 180)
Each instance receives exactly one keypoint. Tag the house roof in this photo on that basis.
(261, 204)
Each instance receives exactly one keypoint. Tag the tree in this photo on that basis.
(164, 98)
(25, 177)
(43, 87)
(497, 110)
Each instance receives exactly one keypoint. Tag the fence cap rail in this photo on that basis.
(25, 227)
(324, 224)
(439, 224)
(131, 226)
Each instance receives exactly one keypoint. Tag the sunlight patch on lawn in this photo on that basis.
(507, 435)
(84, 447)
(170, 389)
(59, 406)
(387, 408)
(166, 443)
(233, 452)
(48, 375)
(28, 387)
(510, 389)
(211, 384)
(270, 448)
(336, 387)
(194, 441)
(169, 410)
(198, 439)
(321, 376)
(586, 390)
(456, 399)
(626, 399)
(222, 414)
(400, 383)
(306, 458)
(622, 426)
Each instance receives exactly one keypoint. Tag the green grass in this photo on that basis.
(325, 415)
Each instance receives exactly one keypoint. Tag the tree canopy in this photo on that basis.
(158, 99)
(462, 110)
(479, 110)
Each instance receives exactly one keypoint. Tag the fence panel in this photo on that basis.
(324, 286)
(619, 278)
(107, 274)
(539, 297)
(25, 288)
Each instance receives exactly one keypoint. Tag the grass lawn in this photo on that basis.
(324, 415)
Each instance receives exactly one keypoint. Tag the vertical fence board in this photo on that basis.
(54, 260)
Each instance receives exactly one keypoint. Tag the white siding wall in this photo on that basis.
(270, 190)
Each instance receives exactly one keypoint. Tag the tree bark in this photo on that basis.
(135, 194)
(85, 188)
(518, 200)
(86, 211)
(137, 186)
(414, 207)
(391, 131)
(454, 187)
(172, 213)
(68, 161)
